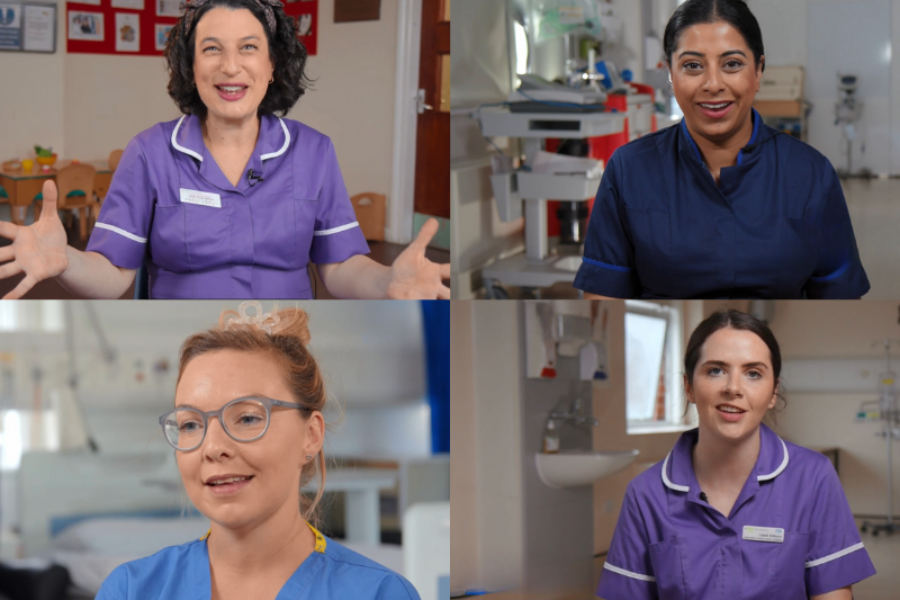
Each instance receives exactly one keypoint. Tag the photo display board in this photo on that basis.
(27, 27)
(141, 27)
(120, 26)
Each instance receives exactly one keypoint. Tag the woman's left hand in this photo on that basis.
(415, 277)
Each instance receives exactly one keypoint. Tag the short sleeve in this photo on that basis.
(607, 268)
(115, 587)
(337, 235)
(395, 587)
(836, 557)
(628, 572)
(839, 273)
(123, 226)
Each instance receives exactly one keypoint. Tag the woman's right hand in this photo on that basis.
(38, 250)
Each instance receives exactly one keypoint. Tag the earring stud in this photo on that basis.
(309, 457)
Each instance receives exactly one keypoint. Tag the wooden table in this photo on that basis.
(22, 187)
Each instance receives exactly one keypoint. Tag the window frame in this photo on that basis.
(674, 313)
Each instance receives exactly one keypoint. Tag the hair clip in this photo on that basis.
(265, 321)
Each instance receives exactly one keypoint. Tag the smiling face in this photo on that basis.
(733, 384)
(272, 463)
(715, 79)
(232, 66)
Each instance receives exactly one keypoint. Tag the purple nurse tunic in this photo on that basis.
(790, 535)
(171, 207)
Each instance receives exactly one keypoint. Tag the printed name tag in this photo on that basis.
(763, 534)
(201, 198)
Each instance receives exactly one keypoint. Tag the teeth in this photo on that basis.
(729, 409)
(231, 89)
(715, 106)
(229, 480)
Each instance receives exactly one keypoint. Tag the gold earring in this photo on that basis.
(272, 80)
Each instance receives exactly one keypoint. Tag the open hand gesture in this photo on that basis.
(415, 277)
(38, 250)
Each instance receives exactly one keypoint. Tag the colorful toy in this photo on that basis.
(45, 156)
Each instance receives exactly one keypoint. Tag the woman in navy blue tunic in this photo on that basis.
(720, 206)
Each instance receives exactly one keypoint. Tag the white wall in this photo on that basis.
(486, 447)
(840, 330)
(86, 105)
(371, 353)
(854, 36)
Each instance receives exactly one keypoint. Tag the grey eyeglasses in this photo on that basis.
(243, 419)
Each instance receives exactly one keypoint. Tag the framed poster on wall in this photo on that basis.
(39, 28)
(11, 26)
(27, 27)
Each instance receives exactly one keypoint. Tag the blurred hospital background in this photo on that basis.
(830, 80)
(87, 480)
(537, 526)
(376, 66)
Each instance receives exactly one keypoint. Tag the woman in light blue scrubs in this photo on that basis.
(734, 511)
(248, 432)
(720, 206)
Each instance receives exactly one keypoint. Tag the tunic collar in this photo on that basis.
(196, 582)
(678, 467)
(273, 141)
(755, 138)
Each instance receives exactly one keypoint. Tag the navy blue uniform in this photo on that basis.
(776, 226)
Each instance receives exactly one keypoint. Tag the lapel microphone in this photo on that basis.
(253, 178)
(703, 497)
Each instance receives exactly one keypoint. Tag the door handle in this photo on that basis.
(421, 107)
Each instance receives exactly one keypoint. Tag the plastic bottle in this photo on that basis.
(551, 438)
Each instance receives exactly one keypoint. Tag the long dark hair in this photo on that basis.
(734, 12)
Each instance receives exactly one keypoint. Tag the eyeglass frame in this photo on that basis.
(267, 403)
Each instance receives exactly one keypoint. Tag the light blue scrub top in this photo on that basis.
(332, 572)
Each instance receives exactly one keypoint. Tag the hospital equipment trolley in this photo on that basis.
(538, 267)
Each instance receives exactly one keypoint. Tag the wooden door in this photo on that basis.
(432, 194)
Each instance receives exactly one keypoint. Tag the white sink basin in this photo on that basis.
(572, 468)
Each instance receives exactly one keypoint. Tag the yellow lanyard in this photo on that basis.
(320, 539)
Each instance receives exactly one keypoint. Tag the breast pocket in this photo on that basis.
(668, 567)
(187, 237)
(789, 567)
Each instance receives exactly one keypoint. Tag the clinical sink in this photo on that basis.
(571, 468)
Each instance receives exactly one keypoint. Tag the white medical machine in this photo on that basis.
(847, 111)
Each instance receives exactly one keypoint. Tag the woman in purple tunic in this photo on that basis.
(734, 511)
(230, 200)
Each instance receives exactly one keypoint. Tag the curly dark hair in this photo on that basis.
(287, 52)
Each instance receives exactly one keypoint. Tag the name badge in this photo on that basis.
(201, 198)
(764, 534)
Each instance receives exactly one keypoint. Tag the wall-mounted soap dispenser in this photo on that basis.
(559, 329)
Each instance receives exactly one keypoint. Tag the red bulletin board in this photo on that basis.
(305, 12)
(148, 22)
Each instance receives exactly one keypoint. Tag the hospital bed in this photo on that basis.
(92, 512)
